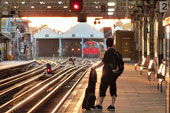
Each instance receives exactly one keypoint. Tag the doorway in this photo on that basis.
(126, 48)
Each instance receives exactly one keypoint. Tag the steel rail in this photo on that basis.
(57, 67)
(18, 75)
(43, 82)
(23, 102)
(5, 92)
(12, 81)
(67, 94)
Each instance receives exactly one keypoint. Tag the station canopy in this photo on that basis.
(116, 9)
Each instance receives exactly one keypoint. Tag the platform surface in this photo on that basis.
(10, 64)
(135, 95)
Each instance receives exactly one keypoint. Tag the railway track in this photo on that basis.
(34, 92)
(11, 85)
(36, 96)
(19, 77)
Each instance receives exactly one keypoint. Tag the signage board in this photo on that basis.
(163, 6)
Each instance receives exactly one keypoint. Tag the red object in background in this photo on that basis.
(66, 46)
(76, 6)
(48, 70)
(91, 48)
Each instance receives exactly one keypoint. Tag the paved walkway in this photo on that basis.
(10, 64)
(135, 95)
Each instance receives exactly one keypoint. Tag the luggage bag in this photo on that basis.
(89, 99)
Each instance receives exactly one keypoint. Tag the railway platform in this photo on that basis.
(135, 94)
(12, 64)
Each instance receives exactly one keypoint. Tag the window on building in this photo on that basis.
(91, 35)
(94, 45)
(47, 35)
(85, 45)
(73, 35)
(91, 45)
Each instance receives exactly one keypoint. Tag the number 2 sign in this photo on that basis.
(163, 6)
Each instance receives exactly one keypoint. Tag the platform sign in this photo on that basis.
(163, 6)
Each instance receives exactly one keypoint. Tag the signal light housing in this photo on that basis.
(49, 69)
(76, 5)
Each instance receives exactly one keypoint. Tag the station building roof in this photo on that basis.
(83, 30)
(47, 33)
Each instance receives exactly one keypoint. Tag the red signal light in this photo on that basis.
(76, 6)
(48, 70)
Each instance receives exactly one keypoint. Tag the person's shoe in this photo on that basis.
(98, 107)
(92, 108)
(111, 108)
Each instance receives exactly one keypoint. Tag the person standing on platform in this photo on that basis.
(108, 77)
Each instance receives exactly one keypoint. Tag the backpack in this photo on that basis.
(117, 64)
